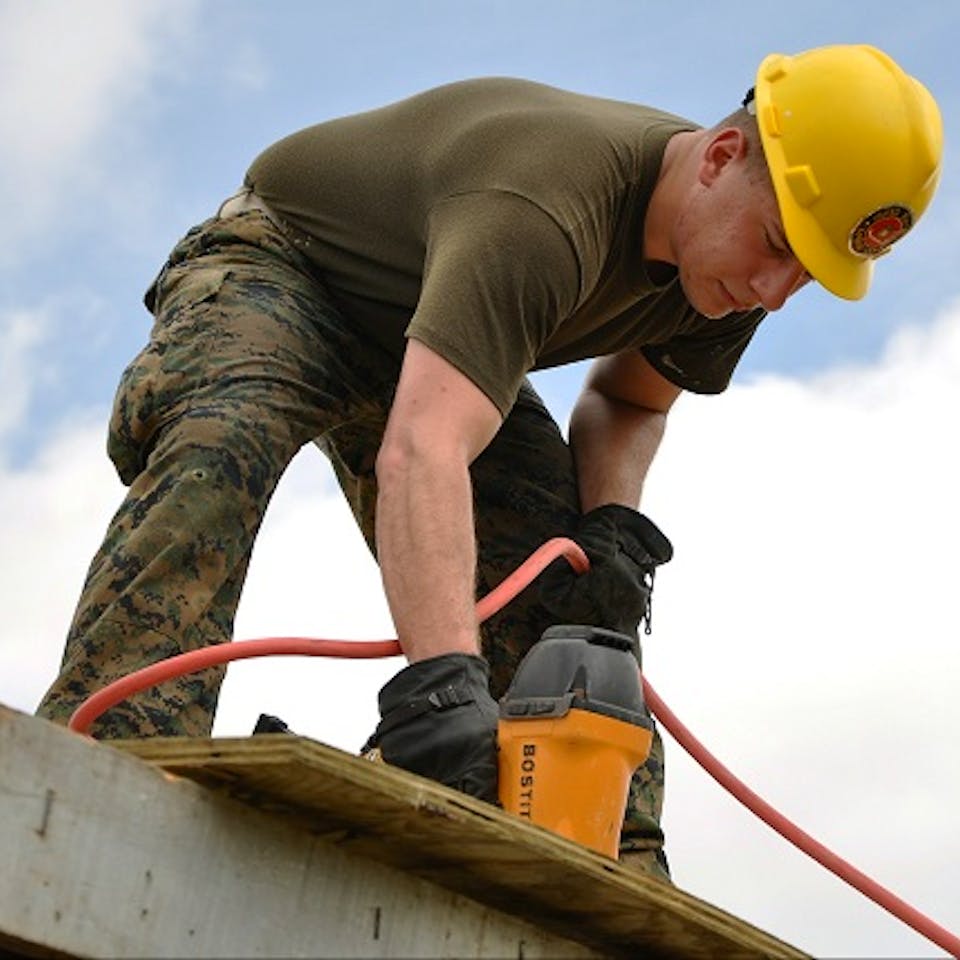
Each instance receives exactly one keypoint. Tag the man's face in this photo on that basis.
(730, 248)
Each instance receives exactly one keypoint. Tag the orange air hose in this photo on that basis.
(197, 660)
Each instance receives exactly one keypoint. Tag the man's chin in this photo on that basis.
(710, 307)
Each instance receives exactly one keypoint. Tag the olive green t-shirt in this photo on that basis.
(500, 222)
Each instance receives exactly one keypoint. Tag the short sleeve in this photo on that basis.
(499, 277)
(702, 357)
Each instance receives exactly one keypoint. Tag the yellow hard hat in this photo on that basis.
(854, 148)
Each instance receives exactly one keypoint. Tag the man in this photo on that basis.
(383, 285)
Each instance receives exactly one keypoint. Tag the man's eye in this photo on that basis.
(773, 245)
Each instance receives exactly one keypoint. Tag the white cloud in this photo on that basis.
(21, 333)
(52, 514)
(311, 575)
(805, 630)
(71, 72)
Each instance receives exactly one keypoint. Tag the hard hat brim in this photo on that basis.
(843, 274)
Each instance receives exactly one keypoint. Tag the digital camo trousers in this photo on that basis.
(247, 361)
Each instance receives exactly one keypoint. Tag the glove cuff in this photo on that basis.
(634, 523)
(425, 677)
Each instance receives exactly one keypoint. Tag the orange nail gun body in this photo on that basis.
(572, 731)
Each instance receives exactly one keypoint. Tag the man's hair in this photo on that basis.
(745, 121)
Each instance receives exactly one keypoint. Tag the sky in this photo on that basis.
(806, 629)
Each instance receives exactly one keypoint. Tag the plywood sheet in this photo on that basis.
(463, 844)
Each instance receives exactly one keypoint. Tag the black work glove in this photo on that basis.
(439, 720)
(624, 548)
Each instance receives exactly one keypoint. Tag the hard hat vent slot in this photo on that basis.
(802, 182)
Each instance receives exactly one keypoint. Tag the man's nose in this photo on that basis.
(778, 280)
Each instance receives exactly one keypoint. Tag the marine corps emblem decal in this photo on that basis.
(874, 235)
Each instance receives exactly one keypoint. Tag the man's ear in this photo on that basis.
(722, 148)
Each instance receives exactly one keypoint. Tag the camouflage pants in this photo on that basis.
(247, 361)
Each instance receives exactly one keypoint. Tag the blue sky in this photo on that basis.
(128, 156)
(812, 507)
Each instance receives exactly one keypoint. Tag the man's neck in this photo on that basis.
(668, 192)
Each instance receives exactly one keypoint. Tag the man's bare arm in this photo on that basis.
(616, 427)
(439, 423)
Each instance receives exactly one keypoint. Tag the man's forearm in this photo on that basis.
(613, 444)
(427, 555)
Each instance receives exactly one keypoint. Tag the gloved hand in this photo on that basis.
(439, 720)
(624, 548)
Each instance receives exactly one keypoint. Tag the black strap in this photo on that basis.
(443, 699)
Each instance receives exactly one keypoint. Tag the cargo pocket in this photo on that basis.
(158, 384)
(178, 288)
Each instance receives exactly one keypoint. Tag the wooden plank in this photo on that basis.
(464, 845)
(107, 856)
